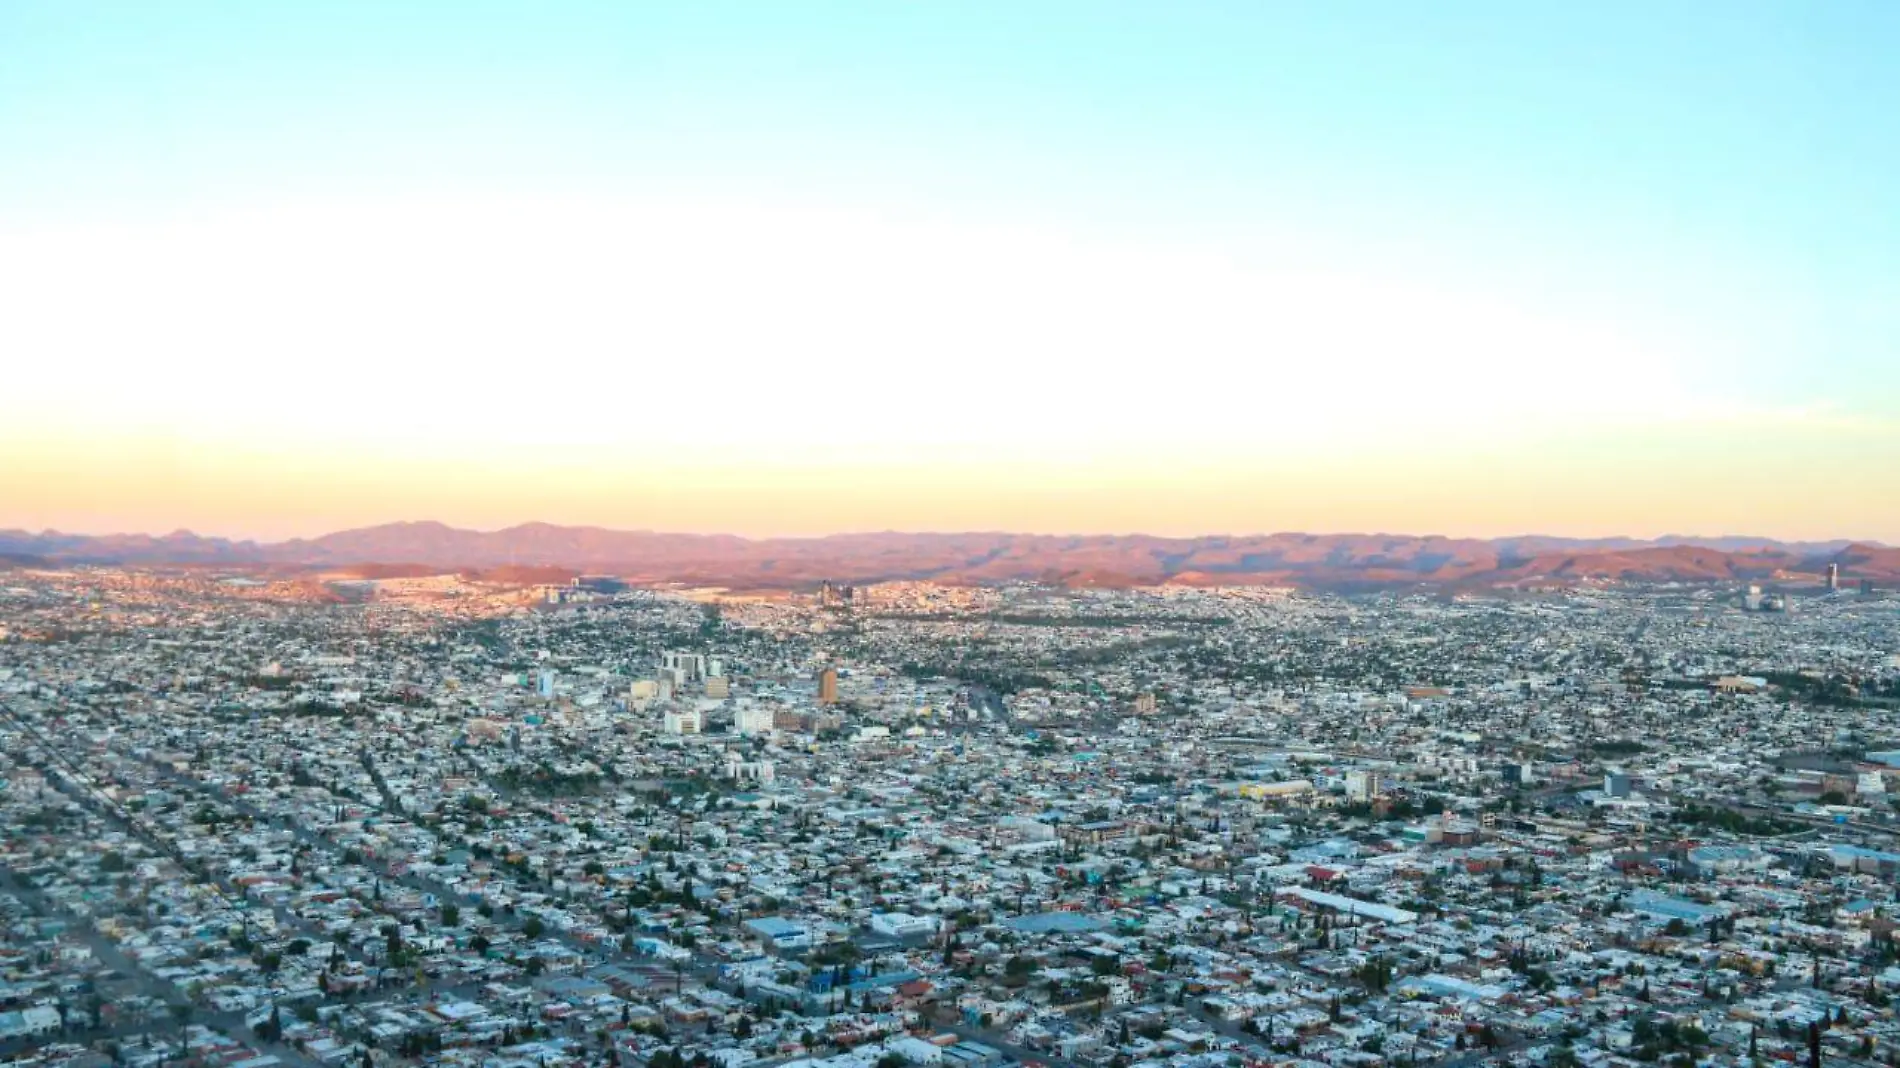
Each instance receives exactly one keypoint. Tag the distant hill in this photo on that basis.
(545, 552)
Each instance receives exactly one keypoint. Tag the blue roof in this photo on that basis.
(1721, 852)
(1450, 986)
(1054, 923)
(775, 926)
(886, 979)
(1674, 908)
(1861, 853)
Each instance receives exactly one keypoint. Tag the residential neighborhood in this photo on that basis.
(444, 822)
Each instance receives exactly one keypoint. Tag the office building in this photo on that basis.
(1361, 786)
(1616, 784)
(828, 686)
(544, 683)
(1833, 576)
(754, 720)
(757, 771)
(685, 667)
(834, 596)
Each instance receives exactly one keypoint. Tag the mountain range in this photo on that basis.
(546, 552)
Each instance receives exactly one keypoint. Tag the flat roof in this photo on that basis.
(1673, 907)
(1352, 906)
(1862, 853)
(1055, 923)
(1451, 986)
(775, 926)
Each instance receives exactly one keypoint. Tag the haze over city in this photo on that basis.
(1471, 269)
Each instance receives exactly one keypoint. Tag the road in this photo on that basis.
(391, 803)
(702, 970)
(419, 883)
(108, 952)
(1759, 811)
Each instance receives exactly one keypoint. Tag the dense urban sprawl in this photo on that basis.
(432, 821)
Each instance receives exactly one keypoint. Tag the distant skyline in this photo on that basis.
(794, 268)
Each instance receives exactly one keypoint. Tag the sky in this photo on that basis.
(270, 270)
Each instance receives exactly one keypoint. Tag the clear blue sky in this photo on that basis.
(1726, 171)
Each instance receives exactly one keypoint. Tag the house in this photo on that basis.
(32, 1022)
(915, 1050)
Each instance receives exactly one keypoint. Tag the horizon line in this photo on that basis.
(994, 532)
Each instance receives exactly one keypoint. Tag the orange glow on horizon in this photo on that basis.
(1582, 488)
(685, 363)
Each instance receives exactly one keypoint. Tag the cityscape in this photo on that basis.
(463, 822)
(958, 534)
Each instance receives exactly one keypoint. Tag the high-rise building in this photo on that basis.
(828, 686)
(1616, 784)
(755, 720)
(544, 683)
(1361, 785)
(719, 686)
(690, 667)
(1833, 576)
(832, 595)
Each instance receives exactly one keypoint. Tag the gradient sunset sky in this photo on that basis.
(788, 268)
